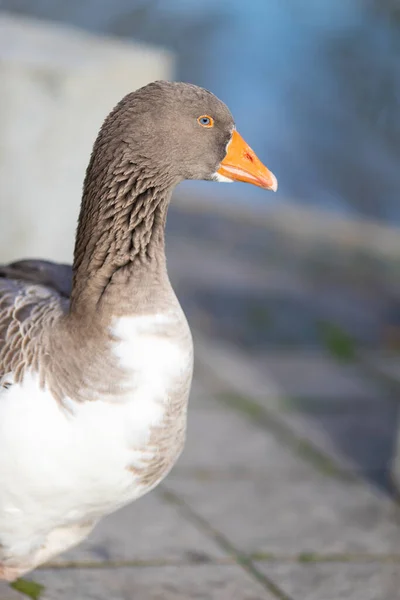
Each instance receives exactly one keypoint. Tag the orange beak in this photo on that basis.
(241, 164)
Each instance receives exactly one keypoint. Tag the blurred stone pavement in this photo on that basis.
(283, 490)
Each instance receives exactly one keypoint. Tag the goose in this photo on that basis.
(96, 359)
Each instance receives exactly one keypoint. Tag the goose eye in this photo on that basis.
(205, 121)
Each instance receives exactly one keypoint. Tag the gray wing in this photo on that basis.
(55, 276)
(31, 291)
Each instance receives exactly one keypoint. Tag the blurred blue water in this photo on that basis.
(314, 85)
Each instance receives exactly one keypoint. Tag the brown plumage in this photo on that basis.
(96, 359)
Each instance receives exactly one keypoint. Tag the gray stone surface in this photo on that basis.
(309, 375)
(7, 593)
(357, 431)
(202, 395)
(384, 362)
(197, 264)
(147, 530)
(294, 510)
(387, 365)
(221, 439)
(336, 581)
(234, 372)
(201, 582)
(395, 465)
(362, 440)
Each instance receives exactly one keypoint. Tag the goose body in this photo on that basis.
(96, 360)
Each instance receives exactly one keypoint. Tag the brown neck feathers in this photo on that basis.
(120, 236)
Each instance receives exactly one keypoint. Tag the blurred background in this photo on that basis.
(294, 297)
(314, 85)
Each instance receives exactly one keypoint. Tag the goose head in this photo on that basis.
(179, 131)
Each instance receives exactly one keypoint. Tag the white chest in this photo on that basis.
(105, 453)
(154, 350)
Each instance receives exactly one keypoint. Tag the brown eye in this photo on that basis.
(205, 121)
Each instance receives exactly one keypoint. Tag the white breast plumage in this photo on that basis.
(76, 465)
(154, 349)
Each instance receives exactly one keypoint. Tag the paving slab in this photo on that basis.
(387, 365)
(283, 380)
(336, 581)
(232, 370)
(294, 510)
(357, 432)
(7, 593)
(201, 582)
(207, 264)
(220, 439)
(384, 362)
(146, 530)
(202, 395)
(365, 441)
(307, 374)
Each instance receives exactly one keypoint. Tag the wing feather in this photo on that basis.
(27, 290)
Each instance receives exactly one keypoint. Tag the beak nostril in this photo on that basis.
(248, 156)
